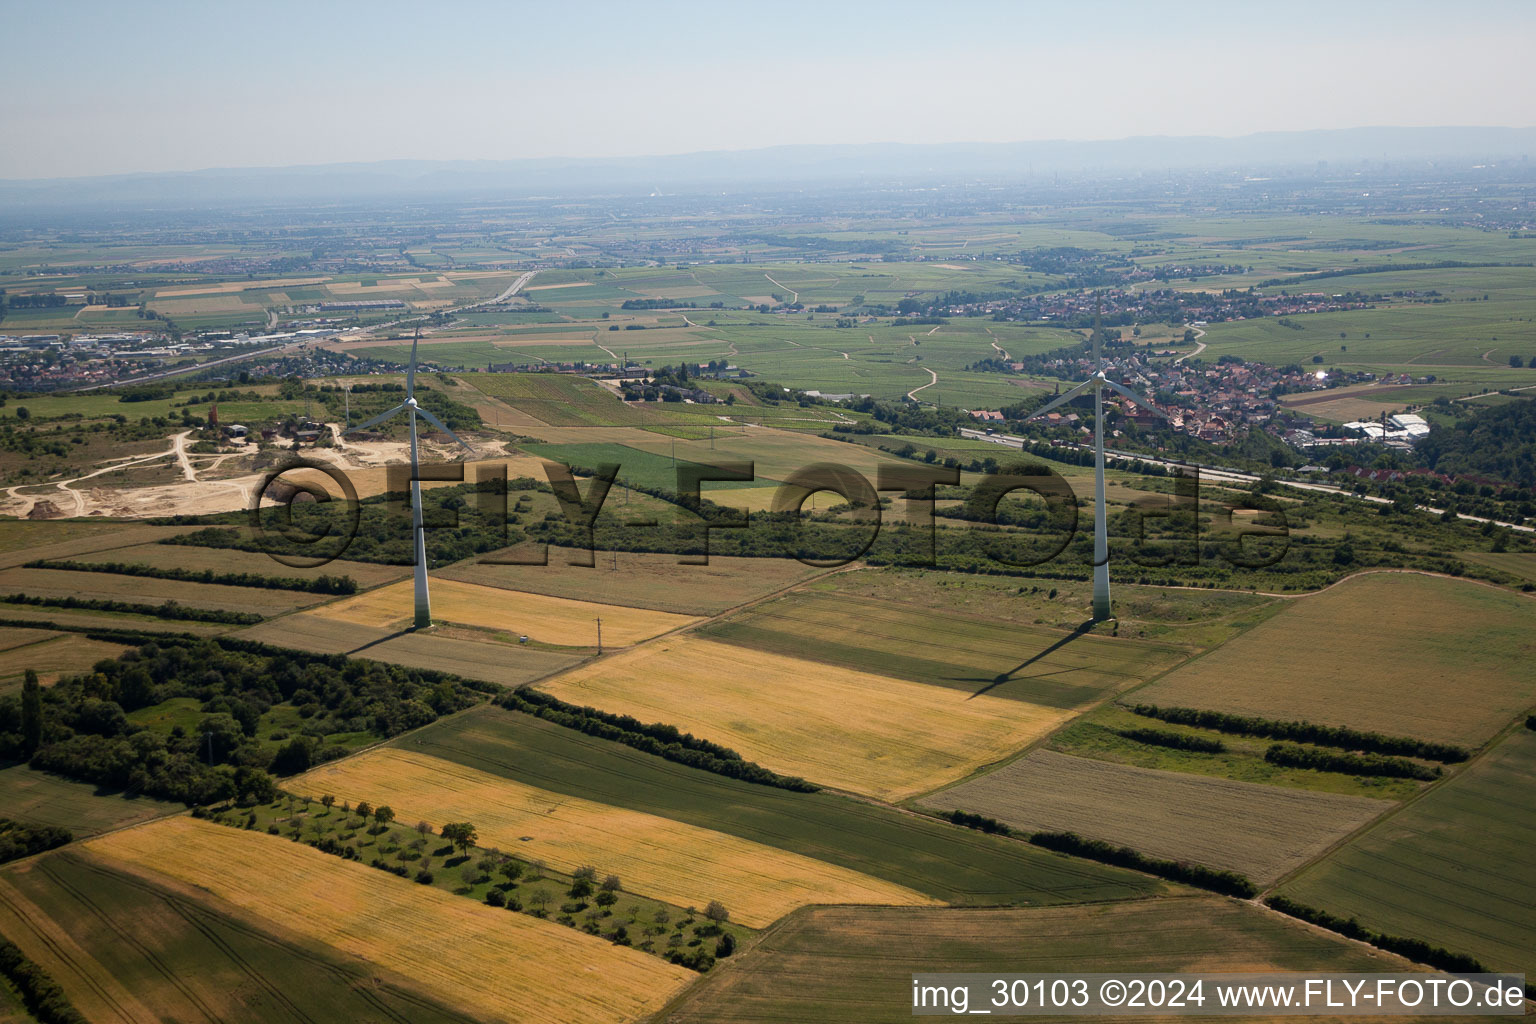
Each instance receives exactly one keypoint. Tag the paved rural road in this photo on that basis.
(1201, 345)
(1222, 474)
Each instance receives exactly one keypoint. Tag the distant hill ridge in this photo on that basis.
(1462, 146)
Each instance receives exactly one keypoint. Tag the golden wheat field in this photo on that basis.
(551, 620)
(498, 965)
(852, 730)
(682, 864)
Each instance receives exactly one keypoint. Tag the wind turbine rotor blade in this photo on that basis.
(1134, 397)
(1062, 399)
(380, 418)
(410, 370)
(440, 425)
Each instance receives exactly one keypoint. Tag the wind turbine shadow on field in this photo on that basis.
(423, 614)
(354, 652)
(1003, 677)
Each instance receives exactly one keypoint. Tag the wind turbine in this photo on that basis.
(410, 406)
(1098, 382)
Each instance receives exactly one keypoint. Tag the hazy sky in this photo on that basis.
(100, 88)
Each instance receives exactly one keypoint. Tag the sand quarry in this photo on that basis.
(207, 485)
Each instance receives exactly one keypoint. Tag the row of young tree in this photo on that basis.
(168, 609)
(1293, 755)
(657, 738)
(1307, 732)
(322, 584)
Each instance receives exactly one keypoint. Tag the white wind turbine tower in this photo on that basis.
(410, 406)
(1098, 382)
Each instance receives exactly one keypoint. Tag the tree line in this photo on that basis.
(1413, 949)
(1174, 740)
(324, 584)
(659, 739)
(19, 839)
(1307, 732)
(1229, 883)
(1293, 755)
(40, 994)
(168, 610)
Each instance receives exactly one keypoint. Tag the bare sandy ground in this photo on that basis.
(201, 491)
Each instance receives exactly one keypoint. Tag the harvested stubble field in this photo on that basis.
(1260, 831)
(87, 620)
(642, 579)
(196, 559)
(23, 540)
(53, 658)
(1398, 653)
(108, 586)
(856, 963)
(1455, 868)
(962, 652)
(128, 950)
(488, 962)
(884, 737)
(12, 637)
(550, 620)
(509, 664)
(957, 865)
(658, 857)
(307, 631)
(44, 799)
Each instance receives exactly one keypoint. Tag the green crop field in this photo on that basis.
(1454, 868)
(44, 799)
(944, 861)
(834, 964)
(636, 467)
(1003, 659)
(125, 948)
(568, 401)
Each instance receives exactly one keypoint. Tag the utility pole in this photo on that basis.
(599, 635)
